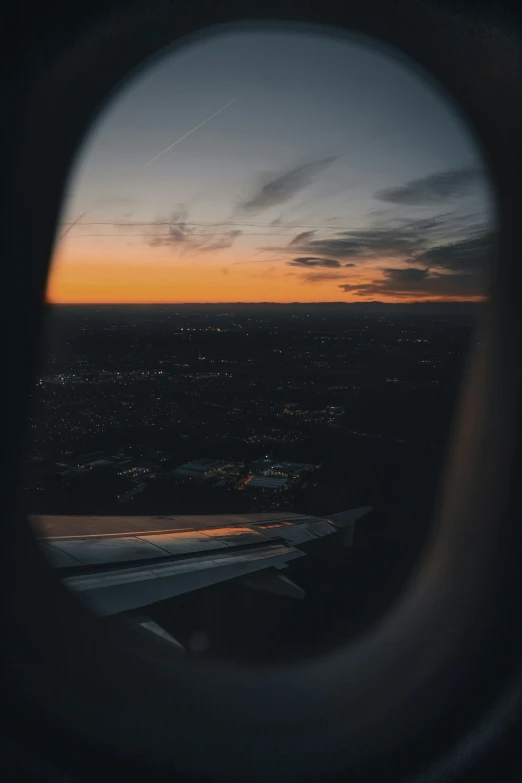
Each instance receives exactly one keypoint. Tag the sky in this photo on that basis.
(275, 165)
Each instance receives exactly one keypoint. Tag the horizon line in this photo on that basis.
(476, 300)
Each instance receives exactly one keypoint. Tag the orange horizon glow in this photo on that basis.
(202, 183)
(143, 277)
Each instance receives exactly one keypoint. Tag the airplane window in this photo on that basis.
(266, 284)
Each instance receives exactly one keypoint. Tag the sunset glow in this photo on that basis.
(120, 280)
(332, 173)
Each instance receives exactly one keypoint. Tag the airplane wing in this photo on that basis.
(118, 564)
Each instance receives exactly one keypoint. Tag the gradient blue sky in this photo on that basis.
(326, 135)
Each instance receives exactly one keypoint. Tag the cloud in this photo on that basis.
(409, 274)
(330, 246)
(345, 265)
(314, 261)
(398, 238)
(226, 241)
(301, 238)
(433, 188)
(281, 188)
(455, 270)
(178, 230)
(473, 254)
(225, 271)
(320, 277)
(422, 283)
(363, 244)
(445, 240)
(187, 237)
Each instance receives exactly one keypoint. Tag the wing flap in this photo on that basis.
(132, 588)
(117, 571)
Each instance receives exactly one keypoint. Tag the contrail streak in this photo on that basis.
(189, 133)
(72, 224)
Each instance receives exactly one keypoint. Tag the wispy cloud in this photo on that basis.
(188, 237)
(433, 188)
(320, 277)
(475, 254)
(280, 188)
(226, 241)
(314, 261)
(301, 238)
